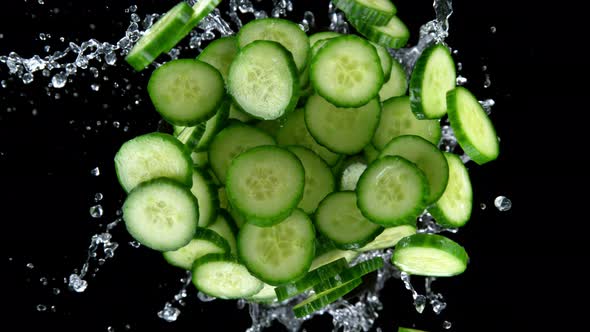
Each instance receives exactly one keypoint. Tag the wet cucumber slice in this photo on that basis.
(161, 214)
(430, 255)
(204, 242)
(392, 191)
(377, 12)
(433, 75)
(280, 253)
(264, 184)
(453, 208)
(152, 156)
(349, 274)
(312, 278)
(222, 276)
(389, 238)
(394, 34)
(318, 301)
(427, 157)
(473, 128)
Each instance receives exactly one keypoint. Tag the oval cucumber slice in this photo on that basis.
(376, 12)
(389, 238)
(318, 301)
(349, 274)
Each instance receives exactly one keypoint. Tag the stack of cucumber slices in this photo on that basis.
(291, 155)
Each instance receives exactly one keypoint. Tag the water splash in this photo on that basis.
(170, 312)
(502, 203)
(427, 224)
(337, 19)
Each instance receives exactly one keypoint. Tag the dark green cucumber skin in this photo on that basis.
(188, 180)
(424, 240)
(353, 272)
(326, 298)
(354, 10)
(292, 68)
(417, 78)
(462, 139)
(206, 235)
(379, 37)
(195, 121)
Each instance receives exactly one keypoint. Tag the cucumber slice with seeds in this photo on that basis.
(397, 119)
(161, 214)
(220, 53)
(224, 226)
(392, 192)
(349, 274)
(339, 219)
(473, 128)
(376, 12)
(453, 208)
(186, 92)
(152, 156)
(265, 184)
(427, 158)
(347, 72)
(280, 253)
(342, 130)
(433, 75)
(204, 242)
(318, 301)
(263, 80)
(206, 193)
(394, 34)
(389, 238)
(397, 84)
(221, 276)
(430, 255)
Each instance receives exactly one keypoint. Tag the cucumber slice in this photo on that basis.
(351, 175)
(371, 153)
(220, 53)
(280, 253)
(281, 31)
(263, 80)
(318, 301)
(433, 75)
(397, 85)
(389, 238)
(427, 157)
(186, 92)
(339, 219)
(152, 156)
(376, 12)
(453, 208)
(201, 9)
(313, 39)
(397, 119)
(200, 159)
(342, 130)
(347, 72)
(405, 329)
(266, 295)
(347, 275)
(204, 242)
(221, 276)
(319, 180)
(161, 214)
(294, 132)
(213, 126)
(206, 193)
(392, 192)
(265, 184)
(394, 34)
(157, 39)
(270, 127)
(332, 255)
(230, 142)
(473, 128)
(312, 278)
(236, 113)
(224, 226)
(430, 255)
(189, 136)
(385, 59)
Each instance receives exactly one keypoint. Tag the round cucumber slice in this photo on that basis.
(220, 53)
(204, 242)
(376, 12)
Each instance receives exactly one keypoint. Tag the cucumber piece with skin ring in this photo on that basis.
(204, 242)
(395, 34)
(220, 53)
(318, 301)
(354, 272)
(377, 12)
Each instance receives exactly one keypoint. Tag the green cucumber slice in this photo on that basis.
(189, 136)
(186, 92)
(342, 130)
(430, 255)
(201, 9)
(221, 276)
(394, 34)
(427, 157)
(270, 127)
(371, 153)
(351, 175)
(318, 301)
(265, 295)
(397, 119)
(280, 253)
(206, 193)
(433, 75)
(397, 85)
(200, 159)
(321, 36)
(161, 214)
(204, 242)
(473, 128)
(312, 278)
(213, 126)
(349, 274)
(392, 191)
(224, 226)
(386, 61)
(346, 71)
(236, 113)
(389, 238)
(405, 329)
(453, 208)
(220, 53)
(329, 256)
(376, 12)
(339, 219)
(319, 180)
(265, 184)
(263, 80)
(152, 156)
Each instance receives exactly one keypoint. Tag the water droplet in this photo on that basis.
(98, 197)
(59, 80)
(53, 308)
(110, 58)
(503, 203)
(30, 266)
(461, 80)
(56, 291)
(95, 171)
(41, 307)
(96, 211)
(134, 244)
(204, 297)
(482, 206)
(43, 281)
(27, 78)
(77, 284)
(169, 313)
(110, 329)
(3, 83)
(487, 81)
(127, 327)
(493, 29)
(447, 325)
(95, 87)
(116, 124)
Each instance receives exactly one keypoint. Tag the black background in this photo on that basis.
(517, 276)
